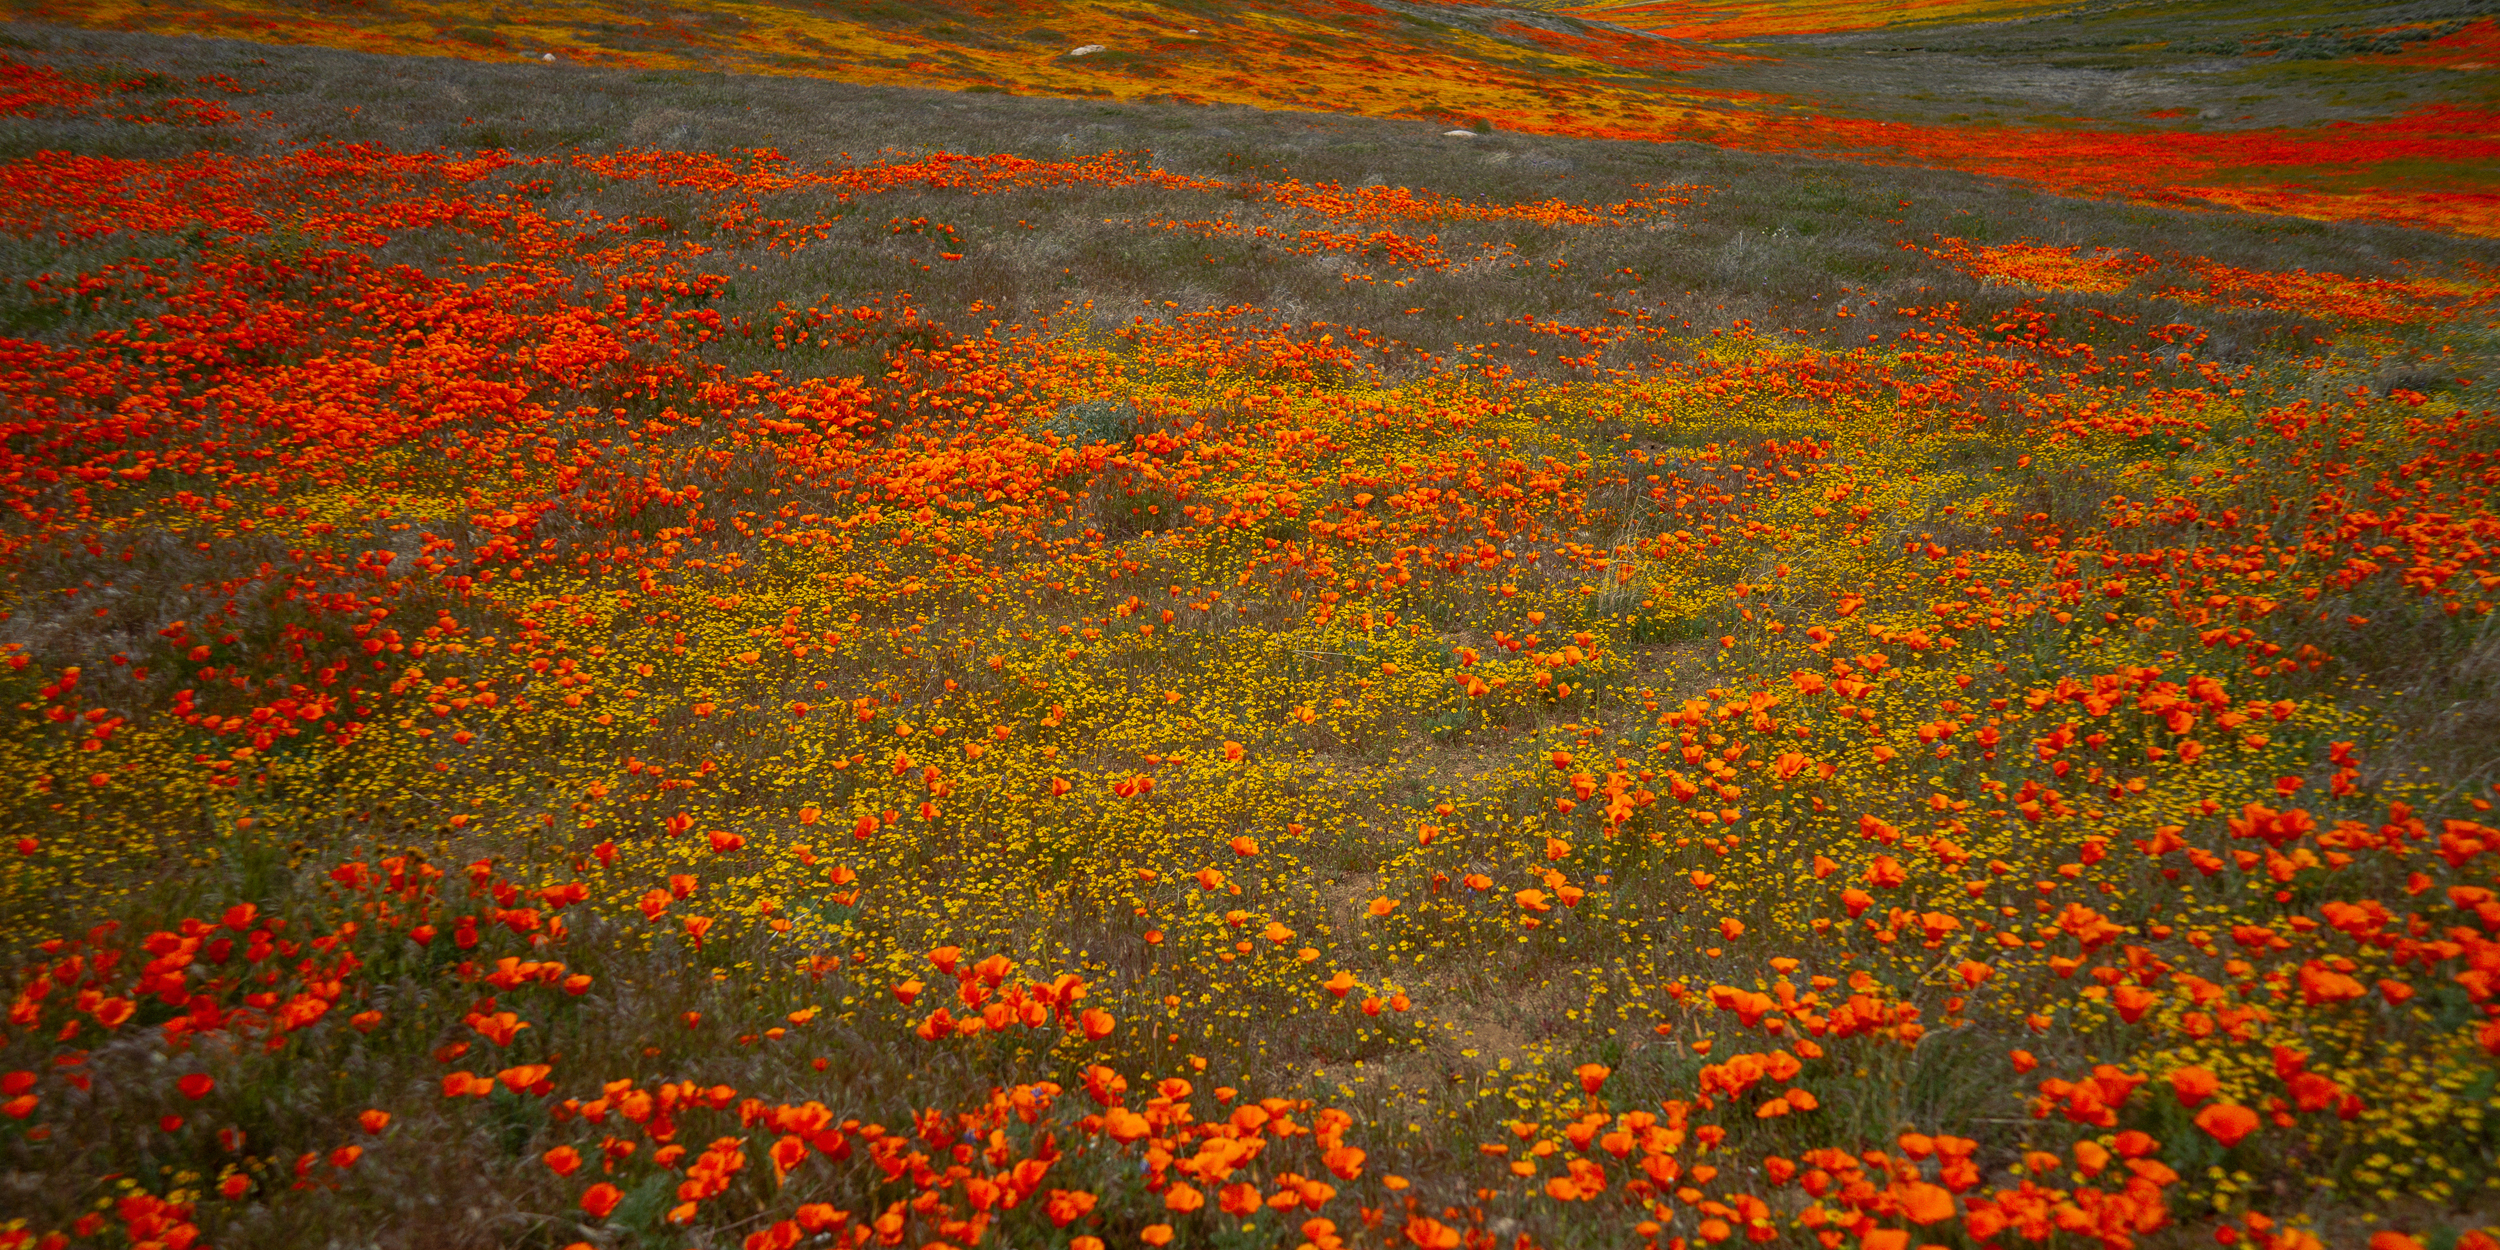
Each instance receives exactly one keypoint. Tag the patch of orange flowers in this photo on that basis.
(1603, 70)
(1864, 697)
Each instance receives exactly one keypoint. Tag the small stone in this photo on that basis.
(1458, 134)
(1088, 50)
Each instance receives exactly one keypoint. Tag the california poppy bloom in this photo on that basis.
(600, 1199)
(2227, 1123)
(2193, 1085)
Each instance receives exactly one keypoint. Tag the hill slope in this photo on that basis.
(2353, 111)
(600, 657)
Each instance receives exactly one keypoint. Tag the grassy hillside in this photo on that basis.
(629, 657)
(2343, 111)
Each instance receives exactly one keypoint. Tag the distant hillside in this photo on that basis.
(2338, 111)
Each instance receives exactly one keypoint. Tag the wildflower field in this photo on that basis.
(766, 662)
(2331, 109)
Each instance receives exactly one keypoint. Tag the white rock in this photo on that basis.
(1088, 50)
(549, 58)
(1458, 134)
